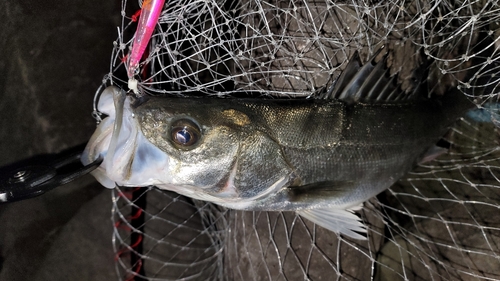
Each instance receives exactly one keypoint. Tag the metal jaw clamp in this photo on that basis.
(34, 179)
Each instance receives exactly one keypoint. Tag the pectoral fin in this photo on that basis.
(326, 189)
(433, 153)
(337, 220)
(442, 147)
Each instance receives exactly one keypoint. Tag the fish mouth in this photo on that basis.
(99, 143)
(129, 159)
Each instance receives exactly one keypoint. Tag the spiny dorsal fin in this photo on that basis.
(368, 83)
(345, 77)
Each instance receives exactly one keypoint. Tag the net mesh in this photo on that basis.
(438, 223)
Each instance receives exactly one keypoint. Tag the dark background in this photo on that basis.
(53, 57)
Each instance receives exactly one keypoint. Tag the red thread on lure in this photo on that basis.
(150, 12)
(136, 15)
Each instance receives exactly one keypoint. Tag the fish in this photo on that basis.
(320, 157)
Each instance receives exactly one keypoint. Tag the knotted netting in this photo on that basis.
(440, 222)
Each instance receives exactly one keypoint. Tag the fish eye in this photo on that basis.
(185, 133)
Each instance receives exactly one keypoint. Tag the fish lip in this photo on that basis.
(106, 139)
(98, 144)
(119, 102)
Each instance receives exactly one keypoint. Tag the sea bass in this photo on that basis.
(319, 157)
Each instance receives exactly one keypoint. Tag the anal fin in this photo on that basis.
(337, 220)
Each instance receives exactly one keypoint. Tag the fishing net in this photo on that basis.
(441, 222)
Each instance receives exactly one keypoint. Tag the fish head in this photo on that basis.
(206, 149)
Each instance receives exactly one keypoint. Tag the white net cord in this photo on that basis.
(440, 222)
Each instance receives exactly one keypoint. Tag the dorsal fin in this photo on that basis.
(368, 83)
(345, 77)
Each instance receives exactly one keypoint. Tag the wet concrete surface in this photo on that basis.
(54, 55)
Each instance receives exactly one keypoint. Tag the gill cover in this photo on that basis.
(123, 146)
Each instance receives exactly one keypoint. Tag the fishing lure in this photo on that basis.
(150, 13)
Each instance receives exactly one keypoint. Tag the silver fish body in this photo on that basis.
(324, 155)
(290, 155)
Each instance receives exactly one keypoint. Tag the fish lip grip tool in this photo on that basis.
(34, 179)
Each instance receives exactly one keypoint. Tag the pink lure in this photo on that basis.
(150, 13)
